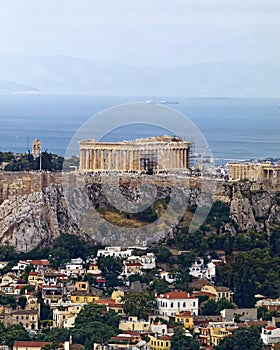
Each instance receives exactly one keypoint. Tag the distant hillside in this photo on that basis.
(7, 86)
(70, 75)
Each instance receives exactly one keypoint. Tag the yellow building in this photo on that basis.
(32, 303)
(117, 295)
(36, 278)
(133, 324)
(112, 305)
(82, 287)
(215, 332)
(29, 319)
(218, 334)
(220, 330)
(185, 318)
(219, 292)
(29, 345)
(254, 171)
(160, 343)
(84, 298)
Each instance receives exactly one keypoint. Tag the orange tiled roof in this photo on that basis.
(23, 343)
(175, 295)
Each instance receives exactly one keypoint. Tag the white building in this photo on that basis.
(21, 265)
(169, 304)
(197, 268)
(169, 277)
(74, 267)
(211, 269)
(245, 314)
(115, 252)
(270, 335)
(3, 264)
(148, 261)
(65, 315)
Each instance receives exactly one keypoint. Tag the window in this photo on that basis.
(171, 304)
(178, 304)
(77, 298)
(193, 303)
(184, 304)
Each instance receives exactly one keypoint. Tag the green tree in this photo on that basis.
(242, 339)
(182, 279)
(111, 268)
(209, 308)
(274, 241)
(159, 286)
(139, 304)
(66, 247)
(8, 300)
(54, 334)
(55, 345)
(179, 341)
(22, 302)
(8, 335)
(27, 288)
(95, 324)
(162, 253)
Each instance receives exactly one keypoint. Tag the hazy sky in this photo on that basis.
(154, 32)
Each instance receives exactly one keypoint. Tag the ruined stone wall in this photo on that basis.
(33, 209)
(24, 183)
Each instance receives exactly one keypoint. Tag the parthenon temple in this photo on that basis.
(153, 153)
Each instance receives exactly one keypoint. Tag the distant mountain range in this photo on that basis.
(70, 75)
(7, 86)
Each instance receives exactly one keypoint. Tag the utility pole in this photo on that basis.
(40, 159)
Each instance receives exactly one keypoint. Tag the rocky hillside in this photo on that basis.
(33, 208)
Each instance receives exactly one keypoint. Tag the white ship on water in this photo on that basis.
(164, 102)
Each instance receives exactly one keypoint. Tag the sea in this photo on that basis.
(235, 129)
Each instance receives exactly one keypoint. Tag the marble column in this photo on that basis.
(184, 159)
(94, 159)
(87, 159)
(116, 159)
(101, 157)
(109, 159)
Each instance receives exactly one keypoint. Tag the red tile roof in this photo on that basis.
(40, 262)
(133, 264)
(184, 314)
(164, 337)
(37, 344)
(100, 280)
(175, 295)
(109, 302)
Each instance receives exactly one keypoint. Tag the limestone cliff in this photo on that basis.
(33, 220)
(33, 210)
